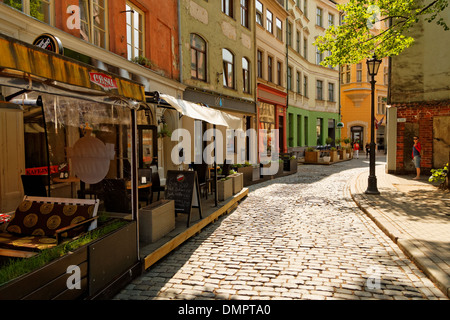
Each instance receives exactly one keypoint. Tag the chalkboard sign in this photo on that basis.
(182, 187)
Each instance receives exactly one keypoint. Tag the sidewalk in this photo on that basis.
(414, 214)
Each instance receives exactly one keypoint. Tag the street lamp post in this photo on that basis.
(372, 66)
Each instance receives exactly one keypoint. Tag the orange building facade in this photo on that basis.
(356, 103)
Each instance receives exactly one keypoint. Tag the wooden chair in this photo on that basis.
(203, 180)
(156, 184)
(116, 196)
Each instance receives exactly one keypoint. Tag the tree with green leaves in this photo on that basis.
(376, 27)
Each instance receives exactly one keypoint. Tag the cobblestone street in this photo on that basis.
(296, 237)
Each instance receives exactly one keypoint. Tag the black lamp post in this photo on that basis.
(372, 66)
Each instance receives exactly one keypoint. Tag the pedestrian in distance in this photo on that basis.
(367, 149)
(356, 149)
(416, 155)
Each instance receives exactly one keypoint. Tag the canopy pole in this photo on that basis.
(216, 202)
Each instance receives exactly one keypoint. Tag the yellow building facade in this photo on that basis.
(355, 92)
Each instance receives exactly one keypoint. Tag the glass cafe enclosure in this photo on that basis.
(77, 148)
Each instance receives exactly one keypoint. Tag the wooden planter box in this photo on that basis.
(312, 156)
(238, 182)
(334, 156)
(156, 220)
(102, 263)
(224, 189)
(343, 154)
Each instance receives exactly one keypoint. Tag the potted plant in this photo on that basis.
(311, 155)
(293, 165)
(249, 172)
(164, 132)
(224, 188)
(329, 140)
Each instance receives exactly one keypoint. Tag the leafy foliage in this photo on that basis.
(356, 38)
(439, 175)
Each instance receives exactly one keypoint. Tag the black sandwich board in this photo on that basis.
(183, 188)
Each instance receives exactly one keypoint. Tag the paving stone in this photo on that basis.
(295, 237)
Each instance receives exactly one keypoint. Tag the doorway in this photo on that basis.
(358, 134)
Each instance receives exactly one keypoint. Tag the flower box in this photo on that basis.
(224, 189)
(312, 156)
(238, 182)
(334, 156)
(156, 220)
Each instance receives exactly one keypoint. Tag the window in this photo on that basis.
(279, 26)
(289, 78)
(93, 21)
(228, 68)
(289, 34)
(244, 13)
(270, 69)
(305, 8)
(305, 86)
(260, 63)
(319, 56)
(347, 73)
(227, 7)
(198, 57)
(279, 73)
(298, 41)
(359, 72)
(381, 105)
(319, 90)
(331, 92)
(330, 20)
(39, 9)
(246, 75)
(269, 21)
(319, 17)
(386, 75)
(305, 48)
(259, 12)
(135, 32)
(298, 83)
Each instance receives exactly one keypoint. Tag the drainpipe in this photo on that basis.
(180, 47)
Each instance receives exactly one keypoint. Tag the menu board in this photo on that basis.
(182, 187)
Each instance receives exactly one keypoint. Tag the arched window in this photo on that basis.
(228, 68)
(246, 75)
(198, 57)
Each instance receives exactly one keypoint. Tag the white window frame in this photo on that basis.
(91, 26)
(132, 42)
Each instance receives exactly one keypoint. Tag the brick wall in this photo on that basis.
(421, 114)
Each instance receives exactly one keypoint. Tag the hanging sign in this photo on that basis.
(103, 80)
(340, 125)
(49, 42)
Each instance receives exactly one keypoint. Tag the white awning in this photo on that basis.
(198, 112)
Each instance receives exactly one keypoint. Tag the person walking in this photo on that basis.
(367, 149)
(417, 148)
(356, 149)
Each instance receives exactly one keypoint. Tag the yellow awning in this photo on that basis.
(28, 61)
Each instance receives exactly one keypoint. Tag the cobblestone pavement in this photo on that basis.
(296, 237)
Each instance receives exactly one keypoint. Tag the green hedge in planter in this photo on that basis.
(16, 268)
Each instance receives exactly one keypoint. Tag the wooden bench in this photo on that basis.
(41, 223)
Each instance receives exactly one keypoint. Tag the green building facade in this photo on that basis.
(310, 128)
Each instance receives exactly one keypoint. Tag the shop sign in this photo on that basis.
(49, 42)
(41, 171)
(103, 80)
(340, 125)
